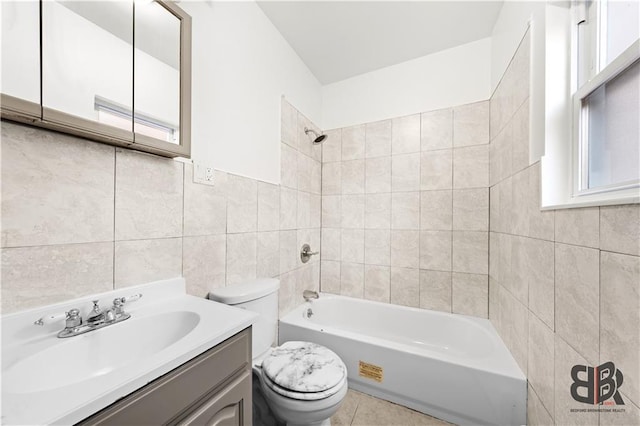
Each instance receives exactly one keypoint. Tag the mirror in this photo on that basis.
(21, 56)
(118, 72)
(157, 72)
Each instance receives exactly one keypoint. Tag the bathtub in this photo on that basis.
(452, 367)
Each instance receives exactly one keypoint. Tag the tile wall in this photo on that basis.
(564, 285)
(405, 210)
(79, 217)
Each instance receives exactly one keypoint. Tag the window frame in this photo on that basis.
(596, 77)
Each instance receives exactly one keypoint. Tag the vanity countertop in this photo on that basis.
(51, 380)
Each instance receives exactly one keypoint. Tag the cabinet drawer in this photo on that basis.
(170, 395)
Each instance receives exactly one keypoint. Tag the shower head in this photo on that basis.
(319, 137)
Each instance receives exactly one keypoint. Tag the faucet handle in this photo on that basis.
(119, 301)
(73, 318)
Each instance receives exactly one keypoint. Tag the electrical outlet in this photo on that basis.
(203, 174)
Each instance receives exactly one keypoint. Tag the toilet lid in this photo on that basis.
(304, 396)
(304, 367)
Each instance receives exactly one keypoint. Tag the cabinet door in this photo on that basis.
(87, 66)
(20, 84)
(229, 407)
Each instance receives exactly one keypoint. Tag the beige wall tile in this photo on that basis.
(353, 211)
(378, 139)
(353, 245)
(518, 285)
(537, 415)
(470, 294)
(241, 257)
(332, 178)
(305, 165)
(204, 263)
(56, 189)
(620, 317)
(471, 124)
(437, 130)
(268, 207)
(405, 286)
(142, 261)
(331, 243)
(471, 167)
(353, 177)
(405, 172)
(514, 327)
(435, 250)
(405, 249)
(541, 358)
(405, 210)
(288, 251)
(565, 358)
(268, 254)
(38, 276)
(520, 137)
(378, 175)
(436, 210)
(331, 211)
(377, 283)
(287, 299)
(242, 204)
(470, 252)
(471, 209)
(578, 226)
(315, 216)
(541, 223)
(288, 208)
(353, 142)
(378, 211)
(630, 415)
(520, 197)
(435, 290)
(316, 176)
(205, 206)
(330, 276)
(494, 304)
(288, 166)
(577, 298)
(405, 134)
(501, 156)
(332, 146)
(288, 124)
(620, 229)
(540, 261)
(149, 194)
(377, 246)
(436, 170)
(352, 279)
(304, 210)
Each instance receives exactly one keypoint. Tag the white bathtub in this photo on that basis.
(450, 366)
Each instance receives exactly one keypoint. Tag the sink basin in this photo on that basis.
(87, 356)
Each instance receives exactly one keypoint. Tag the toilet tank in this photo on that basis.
(259, 296)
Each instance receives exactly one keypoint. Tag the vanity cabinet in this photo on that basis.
(212, 389)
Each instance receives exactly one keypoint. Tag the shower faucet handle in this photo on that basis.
(306, 253)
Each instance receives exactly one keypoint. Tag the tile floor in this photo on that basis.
(359, 409)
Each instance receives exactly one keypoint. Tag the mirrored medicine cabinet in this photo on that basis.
(117, 72)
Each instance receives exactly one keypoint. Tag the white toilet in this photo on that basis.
(303, 383)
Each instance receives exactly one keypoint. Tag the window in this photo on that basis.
(116, 115)
(606, 97)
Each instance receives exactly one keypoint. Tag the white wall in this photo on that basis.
(241, 67)
(454, 76)
(508, 30)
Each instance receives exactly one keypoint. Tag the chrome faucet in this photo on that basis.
(96, 319)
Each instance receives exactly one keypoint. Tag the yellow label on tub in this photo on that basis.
(370, 371)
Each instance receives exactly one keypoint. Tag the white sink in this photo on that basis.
(77, 359)
(51, 380)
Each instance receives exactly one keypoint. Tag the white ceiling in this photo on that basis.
(341, 39)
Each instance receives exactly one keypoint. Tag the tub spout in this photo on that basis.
(308, 295)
